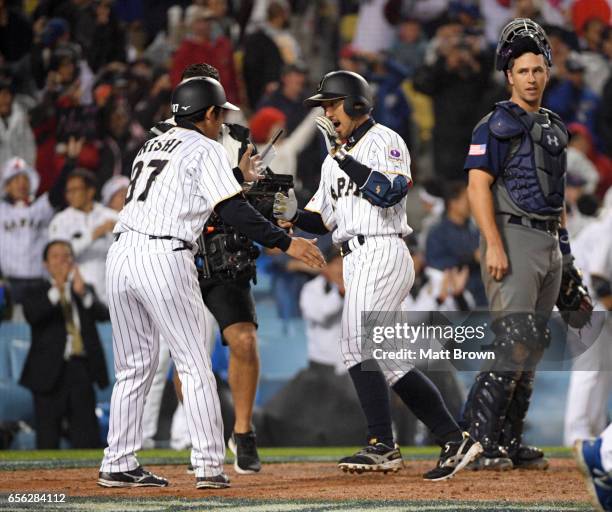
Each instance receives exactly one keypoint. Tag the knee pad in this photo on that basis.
(518, 335)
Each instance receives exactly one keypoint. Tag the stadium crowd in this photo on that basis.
(82, 81)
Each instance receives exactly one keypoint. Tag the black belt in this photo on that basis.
(345, 249)
(186, 245)
(550, 226)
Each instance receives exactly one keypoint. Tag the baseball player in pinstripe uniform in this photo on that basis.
(177, 180)
(232, 305)
(361, 199)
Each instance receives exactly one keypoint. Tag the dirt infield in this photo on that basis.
(322, 481)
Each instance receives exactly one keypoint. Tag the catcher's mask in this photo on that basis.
(520, 36)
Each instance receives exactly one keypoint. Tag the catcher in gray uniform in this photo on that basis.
(516, 165)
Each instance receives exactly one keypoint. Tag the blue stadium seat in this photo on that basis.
(16, 403)
(18, 352)
(5, 367)
(10, 331)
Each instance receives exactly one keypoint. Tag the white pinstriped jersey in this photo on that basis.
(177, 179)
(23, 235)
(340, 202)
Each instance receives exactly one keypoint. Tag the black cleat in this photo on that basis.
(244, 448)
(138, 477)
(530, 457)
(376, 457)
(495, 459)
(454, 457)
(220, 481)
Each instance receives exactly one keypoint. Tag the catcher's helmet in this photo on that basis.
(344, 84)
(520, 36)
(196, 95)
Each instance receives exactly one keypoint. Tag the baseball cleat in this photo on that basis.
(138, 477)
(244, 448)
(376, 457)
(530, 457)
(220, 481)
(190, 469)
(496, 459)
(598, 481)
(455, 455)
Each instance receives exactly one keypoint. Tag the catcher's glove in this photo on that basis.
(574, 301)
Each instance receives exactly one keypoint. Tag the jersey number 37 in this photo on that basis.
(157, 167)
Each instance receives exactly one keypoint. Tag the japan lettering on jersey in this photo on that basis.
(339, 201)
(177, 179)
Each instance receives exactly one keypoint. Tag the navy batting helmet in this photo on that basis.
(345, 85)
(520, 36)
(197, 94)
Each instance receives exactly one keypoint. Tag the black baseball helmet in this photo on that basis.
(346, 85)
(197, 94)
(520, 36)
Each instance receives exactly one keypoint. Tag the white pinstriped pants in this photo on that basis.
(153, 289)
(378, 276)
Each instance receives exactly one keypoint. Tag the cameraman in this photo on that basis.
(230, 300)
(456, 76)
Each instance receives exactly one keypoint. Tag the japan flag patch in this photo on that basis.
(477, 149)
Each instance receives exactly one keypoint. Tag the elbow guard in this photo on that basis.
(380, 191)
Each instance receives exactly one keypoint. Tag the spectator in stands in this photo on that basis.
(263, 57)
(16, 136)
(203, 46)
(391, 106)
(122, 137)
(66, 357)
(266, 122)
(288, 97)
(15, 33)
(321, 303)
(430, 195)
(604, 122)
(24, 226)
(582, 153)
(373, 33)
(94, 27)
(114, 192)
(62, 114)
(87, 226)
(456, 80)
(409, 48)
(575, 185)
(151, 93)
(53, 33)
(570, 97)
(578, 161)
(453, 242)
(225, 24)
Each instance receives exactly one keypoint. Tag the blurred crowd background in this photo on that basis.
(82, 81)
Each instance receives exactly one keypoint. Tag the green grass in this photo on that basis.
(272, 453)
(10, 460)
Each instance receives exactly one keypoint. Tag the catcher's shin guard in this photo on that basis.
(527, 457)
(487, 407)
